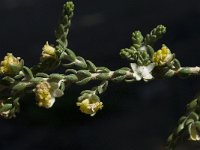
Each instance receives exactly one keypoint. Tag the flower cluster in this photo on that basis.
(90, 106)
(11, 65)
(162, 56)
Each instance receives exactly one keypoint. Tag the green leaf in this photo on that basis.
(182, 119)
(5, 107)
(83, 73)
(103, 76)
(197, 124)
(27, 72)
(125, 69)
(193, 116)
(120, 72)
(71, 78)
(15, 69)
(87, 91)
(71, 71)
(189, 121)
(192, 105)
(63, 28)
(70, 55)
(83, 96)
(169, 74)
(102, 88)
(61, 45)
(56, 76)
(91, 66)
(80, 62)
(180, 127)
(64, 56)
(37, 80)
(118, 79)
(43, 75)
(68, 65)
(170, 138)
(150, 50)
(18, 88)
(155, 35)
(8, 80)
(95, 98)
(83, 81)
(102, 70)
(69, 7)
(177, 64)
(137, 38)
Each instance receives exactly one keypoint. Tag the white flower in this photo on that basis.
(142, 72)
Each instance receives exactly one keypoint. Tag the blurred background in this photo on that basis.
(136, 116)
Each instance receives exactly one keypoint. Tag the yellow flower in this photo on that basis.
(162, 56)
(90, 106)
(46, 93)
(43, 95)
(10, 64)
(48, 52)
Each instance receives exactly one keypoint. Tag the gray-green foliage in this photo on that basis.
(144, 65)
(141, 49)
(188, 125)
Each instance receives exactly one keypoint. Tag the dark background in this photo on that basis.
(136, 116)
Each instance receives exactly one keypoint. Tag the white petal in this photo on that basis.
(59, 83)
(134, 66)
(145, 72)
(150, 67)
(57, 93)
(143, 48)
(51, 102)
(137, 76)
(148, 77)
